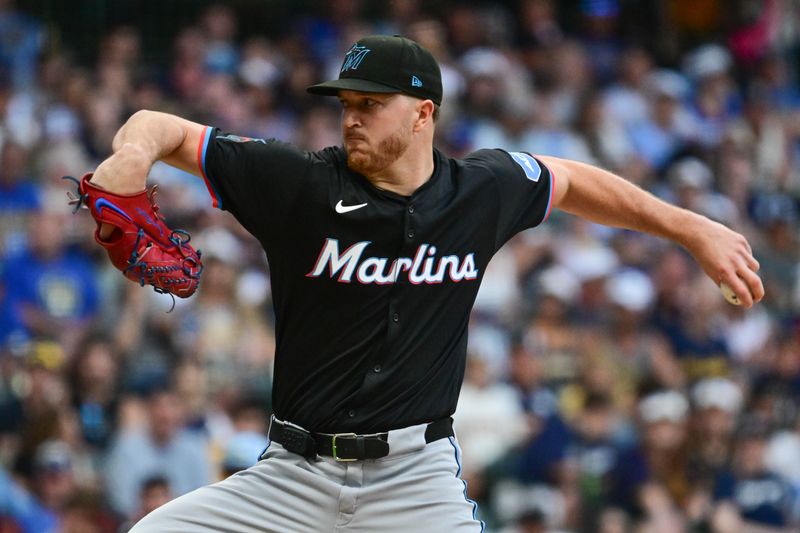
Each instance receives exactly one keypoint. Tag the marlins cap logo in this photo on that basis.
(354, 57)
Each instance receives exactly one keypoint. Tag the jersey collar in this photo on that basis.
(432, 184)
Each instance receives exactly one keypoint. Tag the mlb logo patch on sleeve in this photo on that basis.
(528, 164)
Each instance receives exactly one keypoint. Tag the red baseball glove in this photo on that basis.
(141, 245)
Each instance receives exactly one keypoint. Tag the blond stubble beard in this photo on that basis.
(389, 150)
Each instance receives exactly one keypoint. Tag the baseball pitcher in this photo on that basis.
(376, 251)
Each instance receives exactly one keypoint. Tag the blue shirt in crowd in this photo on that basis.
(763, 498)
(63, 288)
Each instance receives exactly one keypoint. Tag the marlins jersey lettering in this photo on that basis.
(390, 280)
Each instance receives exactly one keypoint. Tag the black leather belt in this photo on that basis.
(346, 446)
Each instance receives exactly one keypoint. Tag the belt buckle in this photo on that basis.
(333, 446)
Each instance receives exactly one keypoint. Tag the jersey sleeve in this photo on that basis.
(524, 187)
(254, 179)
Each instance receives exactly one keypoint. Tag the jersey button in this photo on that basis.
(411, 210)
(376, 368)
(411, 234)
(395, 317)
(351, 413)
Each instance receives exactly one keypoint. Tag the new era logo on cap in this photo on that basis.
(416, 82)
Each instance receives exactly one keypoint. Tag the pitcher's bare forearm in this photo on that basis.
(147, 137)
(600, 196)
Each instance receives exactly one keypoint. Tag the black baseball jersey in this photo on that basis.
(372, 290)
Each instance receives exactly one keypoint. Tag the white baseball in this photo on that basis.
(729, 295)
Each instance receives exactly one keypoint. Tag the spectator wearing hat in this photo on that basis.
(588, 325)
(669, 127)
(693, 183)
(43, 400)
(748, 496)
(52, 484)
(716, 100)
(782, 453)
(632, 347)
(53, 488)
(717, 403)
(649, 481)
(54, 480)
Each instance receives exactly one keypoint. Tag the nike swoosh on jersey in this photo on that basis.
(347, 208)
(102, 202)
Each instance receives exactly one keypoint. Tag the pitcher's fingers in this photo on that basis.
(753, 282)
(752, 262)
(739, 287)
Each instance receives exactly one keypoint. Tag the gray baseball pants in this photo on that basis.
(417, 487)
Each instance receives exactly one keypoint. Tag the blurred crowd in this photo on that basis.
(609, 386)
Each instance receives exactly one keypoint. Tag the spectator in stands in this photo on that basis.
(42, 401)
(668, 128)
(50, 289)
(162, 447)
(748, 495)
(20, 48)
(717, 403)
(40, 509)
(490, 420)
(153, 493)
(18, 193)
(593, 454)
(649, 481)
(576, 320)
(94, 389)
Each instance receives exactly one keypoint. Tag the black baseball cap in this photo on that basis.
(387, 64)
